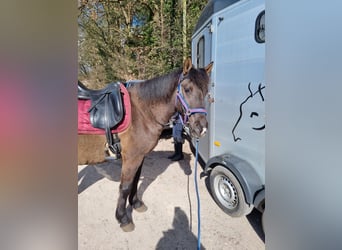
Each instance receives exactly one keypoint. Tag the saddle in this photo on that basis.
(106, 111)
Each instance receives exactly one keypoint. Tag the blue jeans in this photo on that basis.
(177, 130)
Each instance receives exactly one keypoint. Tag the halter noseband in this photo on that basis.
(187, 110)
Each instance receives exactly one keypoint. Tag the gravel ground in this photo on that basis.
(170, 222)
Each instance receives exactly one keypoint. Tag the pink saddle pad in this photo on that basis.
(84, 125)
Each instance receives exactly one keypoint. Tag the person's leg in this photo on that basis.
(179, 152)
(178, 138)
(174, 134)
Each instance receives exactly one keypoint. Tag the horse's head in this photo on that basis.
(192, 89)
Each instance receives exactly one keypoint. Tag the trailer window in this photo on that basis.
(260, 28)
(200, 53)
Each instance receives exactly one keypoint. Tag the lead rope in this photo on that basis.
(198, 201)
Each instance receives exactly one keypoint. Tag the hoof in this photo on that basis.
(142, 208)
(128, 227)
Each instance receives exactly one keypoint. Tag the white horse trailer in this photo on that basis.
(232, 34)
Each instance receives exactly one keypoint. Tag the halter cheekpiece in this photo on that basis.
(187, 110)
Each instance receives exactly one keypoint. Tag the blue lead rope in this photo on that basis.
(198, 201)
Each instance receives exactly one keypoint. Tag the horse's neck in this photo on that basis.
(159, 112)
(164, 111)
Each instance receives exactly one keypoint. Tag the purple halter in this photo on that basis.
(188, 111)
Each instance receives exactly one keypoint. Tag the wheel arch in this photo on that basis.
(242, 170)
(259, 201)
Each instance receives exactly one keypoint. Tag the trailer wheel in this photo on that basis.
(227, 192)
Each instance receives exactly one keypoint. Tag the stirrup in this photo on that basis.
(113, 151)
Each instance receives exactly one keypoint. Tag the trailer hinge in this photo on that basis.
(211, 28)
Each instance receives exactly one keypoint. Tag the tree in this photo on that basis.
(122, 40)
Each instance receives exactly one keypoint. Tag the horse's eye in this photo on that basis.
(187, 90)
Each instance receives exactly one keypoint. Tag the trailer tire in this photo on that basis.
(227, 192)
(263, 222)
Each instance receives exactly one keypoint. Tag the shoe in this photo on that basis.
(174, 154)
(179, 152)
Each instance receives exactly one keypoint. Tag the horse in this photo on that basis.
(153, 103)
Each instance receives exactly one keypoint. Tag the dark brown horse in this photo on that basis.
(153, 102)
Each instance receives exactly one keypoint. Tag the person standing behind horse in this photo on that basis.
(177, 134)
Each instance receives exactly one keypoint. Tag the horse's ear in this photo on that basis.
(209, 67)
(187, 66)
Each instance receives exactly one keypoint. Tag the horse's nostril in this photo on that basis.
(204, 131)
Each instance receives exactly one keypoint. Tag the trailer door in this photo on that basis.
(201, 56)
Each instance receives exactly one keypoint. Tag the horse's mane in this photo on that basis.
(200, 78)
(161, 88)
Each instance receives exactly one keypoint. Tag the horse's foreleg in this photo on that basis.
(121, 215)
(135, 202)
(128, 174)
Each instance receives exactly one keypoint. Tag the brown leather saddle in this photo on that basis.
(106, 111)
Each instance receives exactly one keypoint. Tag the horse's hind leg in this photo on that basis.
(135, 202)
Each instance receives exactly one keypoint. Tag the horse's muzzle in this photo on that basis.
(198, 125)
